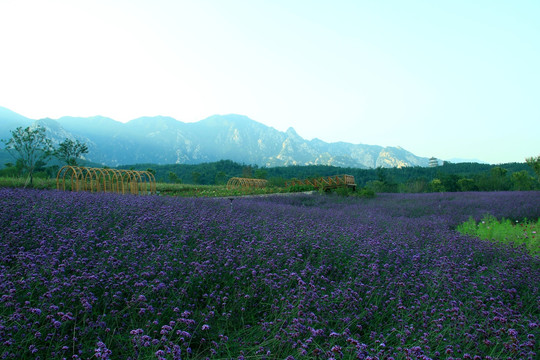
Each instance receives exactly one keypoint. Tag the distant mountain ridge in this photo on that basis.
(165, 140)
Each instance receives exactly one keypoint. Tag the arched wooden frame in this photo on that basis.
(90, 181)
(246, 183)
(149, 182)
(73, 172)
(105, 180)
(116, 182)
(326, 183)
(102, 177)
(132, 180)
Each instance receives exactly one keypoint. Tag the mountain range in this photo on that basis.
(164, 140)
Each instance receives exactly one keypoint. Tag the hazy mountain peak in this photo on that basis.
(154, 121)
(230, 119)
(5, 113)
(153, 118)
(89, 118)
(291, 132)
(165, 140)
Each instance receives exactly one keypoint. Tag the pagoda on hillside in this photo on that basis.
(433, 162)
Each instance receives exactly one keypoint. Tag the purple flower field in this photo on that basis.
(106, 276)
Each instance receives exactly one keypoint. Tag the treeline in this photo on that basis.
(33, 155)
(448, 177)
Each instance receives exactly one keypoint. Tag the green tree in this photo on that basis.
(12, 170)
(220, 178)
(30, 146)
(173, 178)
(417, 185)
(450, 182)
(247, 172)
(521, 180)
(534, 163)
(196, 177)
(436, 185)
(70, 151)
(465, 184)
(499, 179)
(261, 174)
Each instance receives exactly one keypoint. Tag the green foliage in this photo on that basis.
(364, 193)
(277, 181)
(300, 188)
(261, 174)
(29, 146)
(436, 185)
(342, 191)
(39, 182)
(524, 233)
(173, 178)
(221, 178)
(196, 177)
(477, 177)
(190, 190)
(452, 177)
(247, 172)
(70, 151)
(450, 182)
(12, 170)
(522, 181)
(466, 184)
(534, 163)
(415, 185)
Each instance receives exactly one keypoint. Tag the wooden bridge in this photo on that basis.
(327, 183)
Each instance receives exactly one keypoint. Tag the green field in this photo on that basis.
(520, 233)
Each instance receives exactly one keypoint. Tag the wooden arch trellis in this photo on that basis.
(326, 183)
(77, 178)
(246, 183)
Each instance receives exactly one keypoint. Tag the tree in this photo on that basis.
(436, 185)
(247, 172)
(69, 151)
(499, 179)
(521, 180)
(12, 170)
(30, 146)
(220, 178)
(261, 174)
(534, 163)
(466, 184)
(173, 178)
(196, 177)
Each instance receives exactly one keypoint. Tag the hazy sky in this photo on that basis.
(451, 79)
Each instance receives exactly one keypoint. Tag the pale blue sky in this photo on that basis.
(451, 79)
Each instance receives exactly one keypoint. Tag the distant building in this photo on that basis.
(433, 162)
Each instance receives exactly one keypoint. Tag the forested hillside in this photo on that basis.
(448, 177)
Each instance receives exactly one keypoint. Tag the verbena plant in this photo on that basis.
(108, 276)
